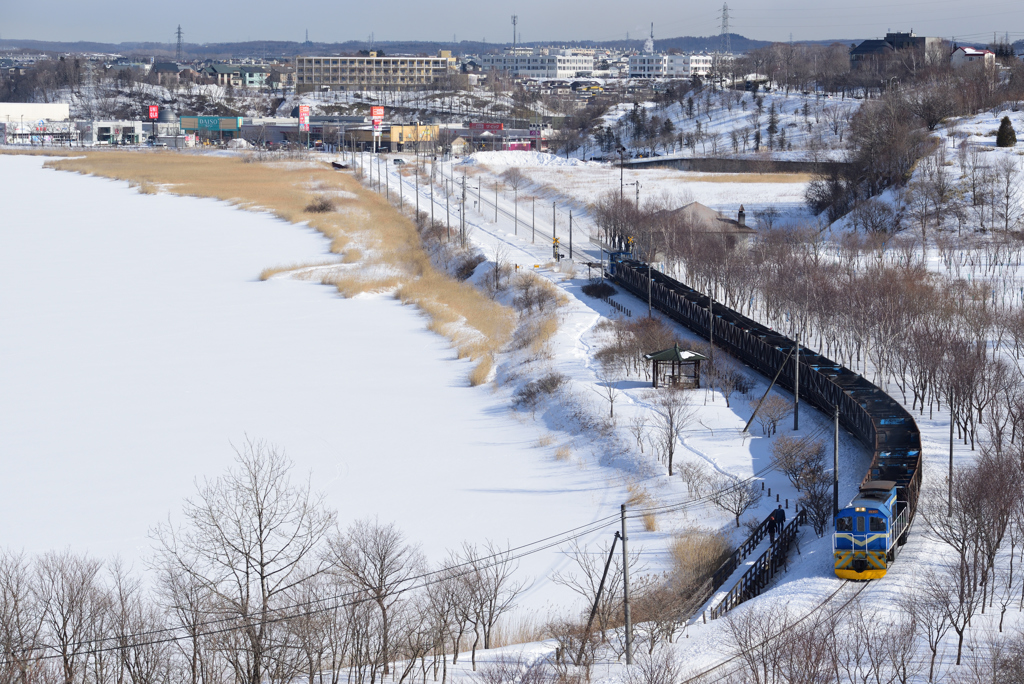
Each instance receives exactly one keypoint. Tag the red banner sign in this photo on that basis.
(478, 126)
(303, 117)
(154, 111)
(377, 113)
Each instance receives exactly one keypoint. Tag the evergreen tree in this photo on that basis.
(773, 125)
(1006, 137)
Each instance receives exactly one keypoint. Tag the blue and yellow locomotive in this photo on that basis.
(869, 532)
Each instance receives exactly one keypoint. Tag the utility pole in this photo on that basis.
(638, 195)
(649, 308)
(570, 235)
(796, 386)
(495, 201)
(622, 166)
(711, 323)
(515, 20)
(625, 589)
(949, 510)
(462, 230)
(554, 229)
(515, 201)
(533, 240)
(835, 467)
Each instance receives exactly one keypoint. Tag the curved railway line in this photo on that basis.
(878, 421)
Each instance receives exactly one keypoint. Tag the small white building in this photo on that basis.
(110, 132)
(965, 56)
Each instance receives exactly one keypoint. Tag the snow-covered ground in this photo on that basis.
(262, 348)
(138, 345)
(809, 584)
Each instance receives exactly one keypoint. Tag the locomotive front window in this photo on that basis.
(860, 523)
(844, 525)
(877, 524)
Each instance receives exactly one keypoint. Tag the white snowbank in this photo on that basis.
(522, 158)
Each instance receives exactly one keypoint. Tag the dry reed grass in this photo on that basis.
(351, 256)
(545, 441)
(272, 271)
(696, 554)
(518, 628)
(563, 453)
(650, 522)
(481, 373)
(477, 326)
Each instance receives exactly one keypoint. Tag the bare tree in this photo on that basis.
(736, 497)
(585, 578)
(250, 537)
(68, 587)
(492, 585)
(21, 619)
(674, 414)
(376, 559)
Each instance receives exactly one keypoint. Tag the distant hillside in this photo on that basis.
(279, 49)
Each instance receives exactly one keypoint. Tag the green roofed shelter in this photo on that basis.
(676, 367)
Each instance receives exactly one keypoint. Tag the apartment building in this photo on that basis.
(648, 65)
(372, 71)
(541, 63)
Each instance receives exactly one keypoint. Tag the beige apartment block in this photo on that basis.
(365, 72)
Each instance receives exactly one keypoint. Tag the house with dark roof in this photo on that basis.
(925, 49)
(697, 219)
(870, 51)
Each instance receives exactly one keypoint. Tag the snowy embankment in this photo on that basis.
(809, 589)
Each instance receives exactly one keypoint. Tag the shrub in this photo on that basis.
(321, 204)
(467, 265)
(532, 392)
(1006, 137)
(598, 290)
(533, 292)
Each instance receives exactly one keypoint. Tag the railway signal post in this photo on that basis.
(625, 590)
(796, 386)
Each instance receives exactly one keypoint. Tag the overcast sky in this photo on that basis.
(539, 20)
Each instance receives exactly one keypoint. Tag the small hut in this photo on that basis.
(676, 367)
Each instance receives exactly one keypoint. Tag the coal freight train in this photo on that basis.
(871, 529)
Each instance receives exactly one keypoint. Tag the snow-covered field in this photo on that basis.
(587, 182)
(138, 345)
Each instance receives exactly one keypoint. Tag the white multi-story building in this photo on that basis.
(541, 63)
(672, 66)
(647, 65)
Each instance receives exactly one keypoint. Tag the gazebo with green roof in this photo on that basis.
(676, 367)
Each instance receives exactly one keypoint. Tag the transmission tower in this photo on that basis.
(177, 53)
(515, 20)
(725, 44)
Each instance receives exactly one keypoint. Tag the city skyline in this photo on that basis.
(538, 22)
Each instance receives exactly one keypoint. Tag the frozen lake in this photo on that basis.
(137, 344)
